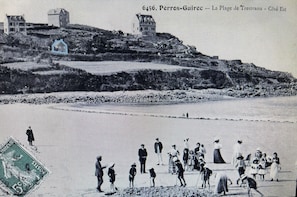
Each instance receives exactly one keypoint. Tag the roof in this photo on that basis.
(59, 42)
(145, 18)
(15, 17)
(57, 11)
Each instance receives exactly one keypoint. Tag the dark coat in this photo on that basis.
(111, 174)
(160, 145)
(152, 173)
(99, 169)
(30, 135)
(142, 153)
(132, 173)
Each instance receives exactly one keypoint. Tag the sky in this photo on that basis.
(266, 37)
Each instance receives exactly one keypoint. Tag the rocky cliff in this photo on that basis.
(93, 44)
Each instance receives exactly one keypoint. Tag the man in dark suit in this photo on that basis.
(142, 154)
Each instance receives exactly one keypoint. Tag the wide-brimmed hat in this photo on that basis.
(258, 149)
(111, 165)
(134, 164)
(239, 156)
(216, 139)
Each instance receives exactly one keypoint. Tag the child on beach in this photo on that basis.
(254, 168)
(111, 174)
(250, 183)
(191, 161)
(186, 158)
(240, 165)
(132, 174)
(180, 172)
(152, 176)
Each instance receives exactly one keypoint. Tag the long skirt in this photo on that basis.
(217, 157)
(221, 184)
(274, 171)
(171, 166)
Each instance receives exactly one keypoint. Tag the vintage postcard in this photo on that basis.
(148, 97)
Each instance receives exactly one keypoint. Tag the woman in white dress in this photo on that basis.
(275, 167)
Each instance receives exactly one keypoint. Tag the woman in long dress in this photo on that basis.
(236, 152)
(274, 167)
(221, 183)
(217, 157)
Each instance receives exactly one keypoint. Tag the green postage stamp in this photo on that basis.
(20, 172)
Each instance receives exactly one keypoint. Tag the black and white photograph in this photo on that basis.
(148, 98)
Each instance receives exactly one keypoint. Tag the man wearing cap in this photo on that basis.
(142, 154)
(158, 150)
(99, 172)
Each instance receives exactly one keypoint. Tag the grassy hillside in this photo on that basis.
(93, 44)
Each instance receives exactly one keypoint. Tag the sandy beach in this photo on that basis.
(70, 136)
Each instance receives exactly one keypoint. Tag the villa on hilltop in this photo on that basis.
(14, 24)
(58, 17)
(144, 25)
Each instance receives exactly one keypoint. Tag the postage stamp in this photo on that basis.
(20, 171)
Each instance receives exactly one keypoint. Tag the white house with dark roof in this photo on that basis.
(144, 25)
(58, 17)
(14, 24)
(59, 47)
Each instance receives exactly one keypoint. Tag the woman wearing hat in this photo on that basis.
(236, 151)
(172, 155)
(275, 166)
(217, 157)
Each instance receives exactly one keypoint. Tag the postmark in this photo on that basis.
(20, 171)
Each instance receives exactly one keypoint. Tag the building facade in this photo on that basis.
(14, 24)
(59, 47)
(144, 25)
(58, 17)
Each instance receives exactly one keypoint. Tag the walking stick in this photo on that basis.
(296, 189)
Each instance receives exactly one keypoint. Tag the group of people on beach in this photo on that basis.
(194, 159)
